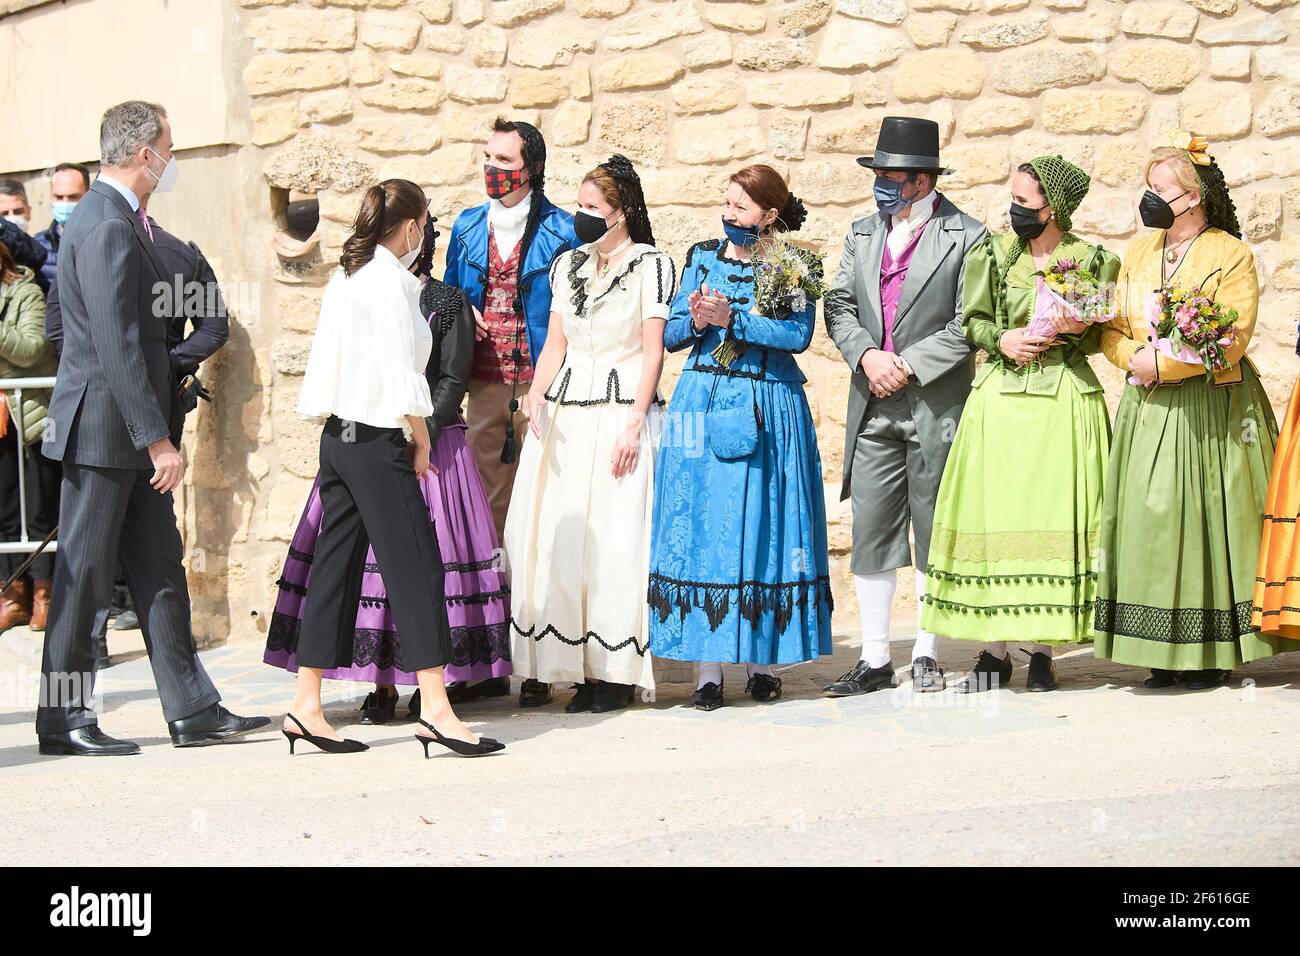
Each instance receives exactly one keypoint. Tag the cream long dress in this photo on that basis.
(577, 538)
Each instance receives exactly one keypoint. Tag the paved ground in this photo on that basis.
(1100, 772)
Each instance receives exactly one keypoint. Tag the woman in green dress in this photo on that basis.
(1012, 555)
(1189, 470)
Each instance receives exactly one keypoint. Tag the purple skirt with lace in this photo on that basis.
(478, 597)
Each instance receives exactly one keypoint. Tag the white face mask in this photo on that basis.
(20, 221)
(166, 181)
(411, 254)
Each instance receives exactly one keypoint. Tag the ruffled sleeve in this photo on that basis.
(405, 389)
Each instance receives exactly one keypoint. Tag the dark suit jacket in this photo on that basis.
(115, 388)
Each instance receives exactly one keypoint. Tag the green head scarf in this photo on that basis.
(1064, 184)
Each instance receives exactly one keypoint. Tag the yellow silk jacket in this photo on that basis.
(1220, 265)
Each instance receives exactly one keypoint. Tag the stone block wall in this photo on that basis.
(341, 93)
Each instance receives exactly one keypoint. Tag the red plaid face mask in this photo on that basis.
(501, 182)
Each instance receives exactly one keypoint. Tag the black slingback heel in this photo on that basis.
(325, 744)
(485, 745)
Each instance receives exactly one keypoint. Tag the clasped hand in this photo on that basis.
(708, 308)
(886, 372)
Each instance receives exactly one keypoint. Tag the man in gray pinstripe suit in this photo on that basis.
(109, 425)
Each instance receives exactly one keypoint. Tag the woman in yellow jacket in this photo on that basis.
(1190, 457)
(24, 353)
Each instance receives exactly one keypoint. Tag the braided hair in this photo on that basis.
(1220, 210)
(619, 171)
(534, 157)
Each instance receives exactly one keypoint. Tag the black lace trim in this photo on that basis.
(625, 271)
(448, 567)
(370, 600)
(437, 299)
(613, 393)
(753, 598)
(471, 644)
(1279, 519)
(576, 642)
(578, 287)
(708, 245)
(1180, 625)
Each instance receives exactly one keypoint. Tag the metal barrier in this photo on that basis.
(24, 544)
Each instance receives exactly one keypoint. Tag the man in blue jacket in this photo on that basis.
(500, 255)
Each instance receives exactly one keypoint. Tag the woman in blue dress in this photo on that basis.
(738, 563)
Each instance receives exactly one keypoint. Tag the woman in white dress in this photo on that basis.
(578, 530)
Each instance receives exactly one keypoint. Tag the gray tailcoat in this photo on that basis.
(895, 448)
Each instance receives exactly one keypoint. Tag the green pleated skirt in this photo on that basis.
(1017, 521)
(1180, 533)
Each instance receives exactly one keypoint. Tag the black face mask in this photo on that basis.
(1156, 213)
(1024, 221)
(590, 226)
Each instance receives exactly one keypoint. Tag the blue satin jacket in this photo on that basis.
(467, 256)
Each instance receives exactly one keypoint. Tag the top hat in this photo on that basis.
(906, 142)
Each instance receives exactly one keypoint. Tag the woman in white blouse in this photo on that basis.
(366, 378)
(578, 529)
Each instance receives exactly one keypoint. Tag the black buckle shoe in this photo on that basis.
(708, 697)
(462, 692)
(610, 696)
(989, 673)
(581, 701)
(85, 742)
(764, 688)
(1042, 673)
(1161, 679)
(862, 679)
(213, 725)
(1206, 679)
(534, 693)
(378, 708)
(927, 676)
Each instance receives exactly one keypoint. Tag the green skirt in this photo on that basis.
(1185, 492)
(1018, 516)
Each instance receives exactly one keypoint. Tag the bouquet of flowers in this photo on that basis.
(1188, 326)
(786, 279)
(1067, 287)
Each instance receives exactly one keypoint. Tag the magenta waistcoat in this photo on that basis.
(893, 273)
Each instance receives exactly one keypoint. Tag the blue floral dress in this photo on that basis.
(738, 561)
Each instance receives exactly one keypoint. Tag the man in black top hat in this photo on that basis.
(895, 312)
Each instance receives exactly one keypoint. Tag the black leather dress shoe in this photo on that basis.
(213, 725)
(379, 707)
(85, 742)
(764, 688)
(611, 696)
(863, 679)
(582, 699)
(1042, 673)
(989, 673)
(1206, 679)
(534, 693)
(1160, 679)
(462, 692)
(927, 676)
(708, 697)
